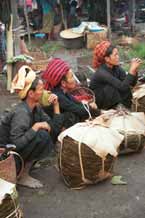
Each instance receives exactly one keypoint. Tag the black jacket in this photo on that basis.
(112, 86)
(16, 125)
(69, 104)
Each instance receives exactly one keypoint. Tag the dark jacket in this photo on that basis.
(16, 125)
(112, 86)
(69, 104)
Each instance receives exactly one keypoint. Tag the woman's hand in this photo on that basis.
(93, 105)
(135, 63)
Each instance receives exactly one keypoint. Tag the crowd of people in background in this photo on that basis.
(44, 15)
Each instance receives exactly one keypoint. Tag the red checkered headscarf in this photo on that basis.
(54, 72)
(99, 53)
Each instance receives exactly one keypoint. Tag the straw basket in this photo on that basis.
(9, 203)
(85, 167)
(93, 38)
(8, 168)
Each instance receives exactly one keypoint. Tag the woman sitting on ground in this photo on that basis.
(59, 78)
(110, 83)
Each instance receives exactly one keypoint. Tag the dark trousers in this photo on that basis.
(38, 148)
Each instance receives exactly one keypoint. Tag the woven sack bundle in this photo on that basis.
(87, 154)
(132, 126)
(138, 103)
(9, 202)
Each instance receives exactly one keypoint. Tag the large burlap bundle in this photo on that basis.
(138, 104)
(87, 154)
(9, 203)
(132, 126)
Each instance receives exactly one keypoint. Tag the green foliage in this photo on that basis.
(136, 51)
(51, 47)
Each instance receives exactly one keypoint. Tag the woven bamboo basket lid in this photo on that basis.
(69, 34)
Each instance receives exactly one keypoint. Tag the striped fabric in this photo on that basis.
(54, 72)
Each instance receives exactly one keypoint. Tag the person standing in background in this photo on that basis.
(48, 8)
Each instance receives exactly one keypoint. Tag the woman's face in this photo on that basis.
(113, 59)
(69, 83)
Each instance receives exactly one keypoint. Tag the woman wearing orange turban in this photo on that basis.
(110, 83)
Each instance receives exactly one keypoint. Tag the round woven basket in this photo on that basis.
(83, 94)
(80, 167)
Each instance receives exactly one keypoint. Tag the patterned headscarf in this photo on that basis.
(99, 53)
(54, 72)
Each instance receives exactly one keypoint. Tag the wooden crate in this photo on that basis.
(93, 38)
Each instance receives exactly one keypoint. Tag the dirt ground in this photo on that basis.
(103, 200)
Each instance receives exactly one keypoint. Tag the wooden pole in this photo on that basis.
(109, 19)
(133, 16)
(63, 17)
(15, 27)
(9, 53)
(27, 23)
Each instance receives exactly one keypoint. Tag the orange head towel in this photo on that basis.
(99, 53)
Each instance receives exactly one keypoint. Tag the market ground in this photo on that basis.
(103, 200)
